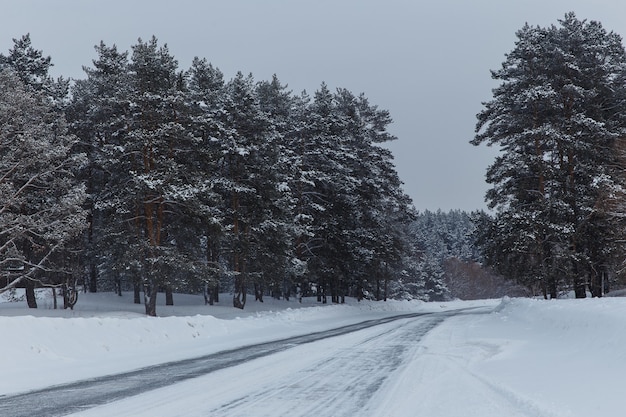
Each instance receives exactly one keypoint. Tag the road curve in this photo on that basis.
(73, 397)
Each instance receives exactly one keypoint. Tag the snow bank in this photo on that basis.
(567, 355)
(528, 358)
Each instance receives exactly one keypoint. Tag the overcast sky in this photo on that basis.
(427, 62)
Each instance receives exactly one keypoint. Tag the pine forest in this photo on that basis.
(149, 178)
(144, 177)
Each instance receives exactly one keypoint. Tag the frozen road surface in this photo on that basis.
(339, 372)
(352, 374)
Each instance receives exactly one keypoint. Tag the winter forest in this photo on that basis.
(149, 178)
(143, 177)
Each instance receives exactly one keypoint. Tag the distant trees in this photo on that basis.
(559, 118)
(448, 260)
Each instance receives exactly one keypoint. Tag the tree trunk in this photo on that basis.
(287, 283)
(169, 296)
(31, 299)
(359, 291)
(386, 284)
(321, 292)
(93, 279)
(580, 289)
(215, 293)
(239, 298)
(595, 283)
(552, 288)
(118, 285)
(150, 295)
(211, 294)
(64, 294)
(136, 293)
(549, 289)
(212, 257)
(258, 292)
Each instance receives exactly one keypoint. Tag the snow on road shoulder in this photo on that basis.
(566, 355)
(104, 335)
(529, 358)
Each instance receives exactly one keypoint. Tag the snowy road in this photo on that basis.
(331, 373)
(337, 381)
(528, 358)
(338, 376)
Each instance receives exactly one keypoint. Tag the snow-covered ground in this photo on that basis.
(527, 358)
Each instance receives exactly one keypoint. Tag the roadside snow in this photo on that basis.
(528, 358)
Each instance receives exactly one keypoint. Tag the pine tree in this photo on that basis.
(248, 160)
(28, 63)
(41, 213)
(382, 209)
(277, 261)
(98, 115)
(357, 210)
(32, 68)
(330, 184)
(158, 147)
(206, 95)
(556, 116)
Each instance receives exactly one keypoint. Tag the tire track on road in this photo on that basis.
(339, 385)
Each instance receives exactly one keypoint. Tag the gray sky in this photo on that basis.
(427, 62)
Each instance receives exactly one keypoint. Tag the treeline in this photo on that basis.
(559, 118)
(145, 177)
(453, 262)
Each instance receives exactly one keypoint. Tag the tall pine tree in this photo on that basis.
(556, 117)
